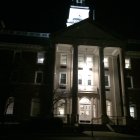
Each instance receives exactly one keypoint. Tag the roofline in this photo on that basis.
(27, 34)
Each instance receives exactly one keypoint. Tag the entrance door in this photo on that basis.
(84, 110)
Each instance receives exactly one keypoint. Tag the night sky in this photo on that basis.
(51, 16)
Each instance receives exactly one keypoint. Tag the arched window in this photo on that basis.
(61, 107)
(9, 106)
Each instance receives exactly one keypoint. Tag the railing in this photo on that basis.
(114, 120)
(117, 120)
(65, 117)
(96, 120)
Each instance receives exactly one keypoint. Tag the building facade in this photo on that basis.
(82, 74)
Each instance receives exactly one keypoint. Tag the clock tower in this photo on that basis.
(79, 10)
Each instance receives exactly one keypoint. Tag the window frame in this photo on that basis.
(89, 79)
(40, 54)
(108, 108)
(108, 77)
(106, 62)
(36, 76)
(89, 63)
(61, 60)
(80, 79)
(134, 111)
(61, 107)
(9, 110)
(131, 81)
(127, 63)
(81, 63)
(60, 83)
(35, 103)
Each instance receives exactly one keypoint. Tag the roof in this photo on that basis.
(24, 37)
(86, 30)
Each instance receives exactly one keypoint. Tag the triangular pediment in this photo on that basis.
(86, 29)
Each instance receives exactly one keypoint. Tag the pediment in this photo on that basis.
(86, 29)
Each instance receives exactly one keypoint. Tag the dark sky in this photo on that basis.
(50, 16)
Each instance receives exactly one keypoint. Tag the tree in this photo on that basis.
(59, 94)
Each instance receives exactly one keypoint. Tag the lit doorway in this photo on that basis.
(84, 110)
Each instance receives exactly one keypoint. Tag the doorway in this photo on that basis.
(84, 110)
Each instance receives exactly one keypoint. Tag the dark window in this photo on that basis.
(89, 82)
(80, 81)
(39, 77)
(129, 82)
(106, 80)
(63, 78)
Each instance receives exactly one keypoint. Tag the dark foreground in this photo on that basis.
(15, 132)
(86, 135)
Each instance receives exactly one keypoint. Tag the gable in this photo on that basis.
(86, 29)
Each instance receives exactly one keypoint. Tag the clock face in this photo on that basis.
(77, 14)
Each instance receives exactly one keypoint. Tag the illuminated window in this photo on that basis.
(81, 61)
(89, 62)
(132, 110)
(106, 62)
(38, 77)
(129, 81)
(63, 78)
(107, 80)
(9, 106)
(127, 63)
(63, 59)
(61, 107)
(40, 57)
(108, 108)
(35, 107)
